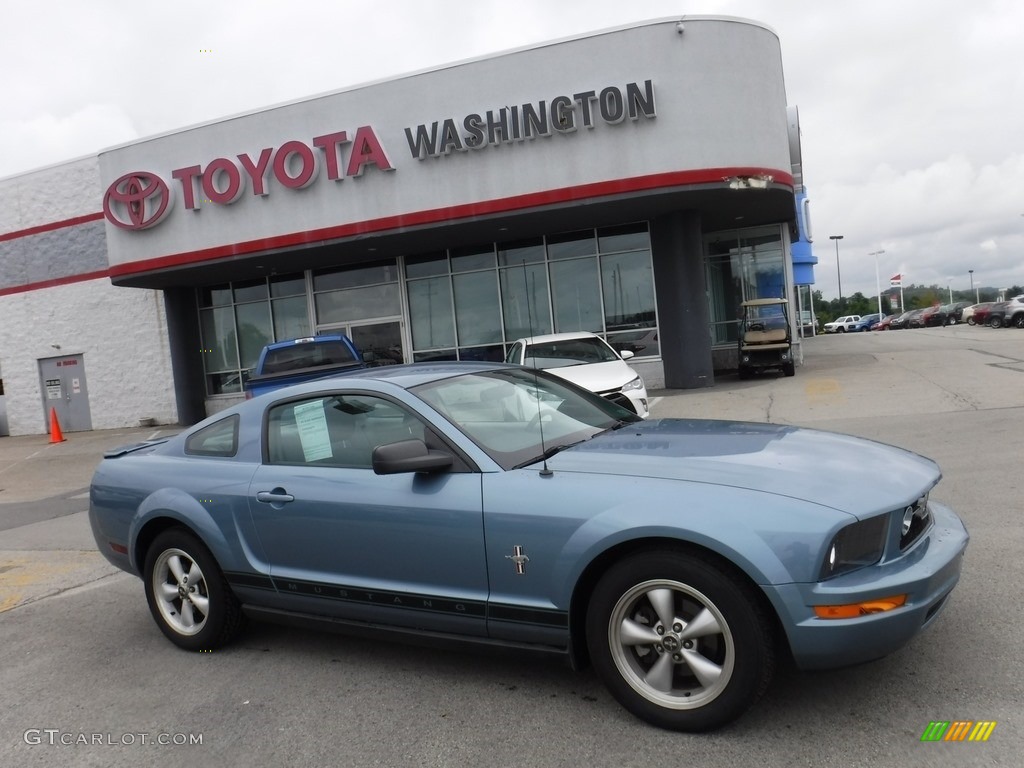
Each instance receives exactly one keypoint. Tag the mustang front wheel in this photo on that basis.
(679, 642)
(187, 593)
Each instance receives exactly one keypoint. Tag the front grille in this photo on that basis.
(920, 521)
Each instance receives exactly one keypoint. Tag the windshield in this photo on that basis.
(504, 411)
(768, 315)
(309, 354)
(558, 354)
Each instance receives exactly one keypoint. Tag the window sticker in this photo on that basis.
(312, 425)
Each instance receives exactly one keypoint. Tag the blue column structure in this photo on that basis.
(803, 259)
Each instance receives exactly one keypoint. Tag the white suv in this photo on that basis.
(842, 324)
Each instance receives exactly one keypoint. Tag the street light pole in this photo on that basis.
(839, 274)
(878, 284)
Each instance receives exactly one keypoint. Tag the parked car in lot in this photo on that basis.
(967, 315)
(954, 311)
(883, 324)
(842, 324)
(931, 317)
(865, 322)
(904, 320)
(919, 318)
(284, 363)
(992, 315)
(1015, 312)
(587, 360)
(492, 504)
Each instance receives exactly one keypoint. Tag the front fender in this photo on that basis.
(772, 539)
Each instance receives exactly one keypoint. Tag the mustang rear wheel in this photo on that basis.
(679, 642)
(187, 593)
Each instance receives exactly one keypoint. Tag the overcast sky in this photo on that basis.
(912, 110)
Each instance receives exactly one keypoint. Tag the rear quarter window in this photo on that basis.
(218, 439)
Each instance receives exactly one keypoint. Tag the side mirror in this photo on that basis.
(625, 354)
(409, 456)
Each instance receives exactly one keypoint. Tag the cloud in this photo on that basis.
(912, 111)
(48, 138)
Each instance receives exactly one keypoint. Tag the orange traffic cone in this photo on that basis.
(56, 436)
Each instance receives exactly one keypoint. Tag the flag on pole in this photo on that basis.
(896, 281)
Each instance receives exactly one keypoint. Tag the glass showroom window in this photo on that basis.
(627, 287)
(742, 265)
(525, 302)
(236, 321)
(591, 280)
(575, 283)
(356, 293)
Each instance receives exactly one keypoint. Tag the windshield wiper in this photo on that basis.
(548, 453)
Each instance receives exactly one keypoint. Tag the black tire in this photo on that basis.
(188, 595)
(645, 643)
(789, 369)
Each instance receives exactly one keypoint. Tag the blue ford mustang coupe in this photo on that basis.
(500, 505)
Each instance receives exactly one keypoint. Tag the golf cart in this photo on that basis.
(765, 340)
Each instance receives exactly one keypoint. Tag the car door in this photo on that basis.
(342, 541)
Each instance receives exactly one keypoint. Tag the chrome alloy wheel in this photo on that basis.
(180, 591)
(671, 644)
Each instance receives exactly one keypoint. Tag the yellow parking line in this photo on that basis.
(33, 575)
(824, 390)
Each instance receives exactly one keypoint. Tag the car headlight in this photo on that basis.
(855, 546)
(916, 519)
(636, 383)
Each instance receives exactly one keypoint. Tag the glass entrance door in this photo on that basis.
(379, 342)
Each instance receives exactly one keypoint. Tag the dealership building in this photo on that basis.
(638, 182)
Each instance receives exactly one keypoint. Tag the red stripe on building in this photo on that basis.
(454, 213)
(54, 282)
(52, 226)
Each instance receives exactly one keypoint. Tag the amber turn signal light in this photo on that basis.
(853, 610)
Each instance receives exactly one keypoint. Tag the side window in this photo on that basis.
(337, 430)
(218, 439)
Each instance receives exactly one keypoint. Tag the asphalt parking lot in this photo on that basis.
(83, 662)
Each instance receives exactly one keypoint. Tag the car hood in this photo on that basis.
(597, 377)
(847, 473)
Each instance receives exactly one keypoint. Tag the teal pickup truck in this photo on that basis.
(284, 363)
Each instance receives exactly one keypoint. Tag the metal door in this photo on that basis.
(64, 389)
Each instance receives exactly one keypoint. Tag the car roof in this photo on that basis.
(407, 376)
(559, 337)
(306, 340)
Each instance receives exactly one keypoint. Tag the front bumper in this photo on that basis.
(927, 574)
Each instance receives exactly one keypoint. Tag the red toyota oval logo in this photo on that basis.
(137, 200)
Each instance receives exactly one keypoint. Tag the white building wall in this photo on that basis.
(54, 193)
(121, 334)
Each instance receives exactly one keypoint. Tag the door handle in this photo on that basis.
(276, 496)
